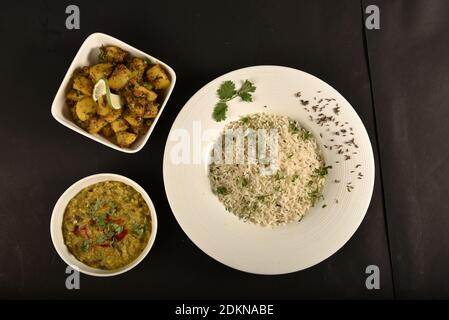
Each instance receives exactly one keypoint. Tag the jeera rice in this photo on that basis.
(286, 194)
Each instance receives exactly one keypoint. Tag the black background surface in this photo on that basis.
(393, 77)
(410, 80)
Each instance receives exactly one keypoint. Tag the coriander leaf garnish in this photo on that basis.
(263, 197)
(243, 181)
(85, 245)
(247, 87)
(110, 234)
(245, 96)
(118, 229)
(102, 55)
(323, 171)
(220, 110)
(101, 239)
(101, 221)
(314, 196)
(138, 230)
(306, 135)
(226, 92)
(245, 120)
(293, 127)
(112, 204)
(94, 207)
(222, 190)
(115, 228)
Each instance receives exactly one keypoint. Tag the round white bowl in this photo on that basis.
(58, 213)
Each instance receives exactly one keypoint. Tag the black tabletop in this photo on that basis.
(394, 77)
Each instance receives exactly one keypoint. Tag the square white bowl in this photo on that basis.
(87, 55)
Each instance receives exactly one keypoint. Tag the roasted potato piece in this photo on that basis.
(100, 71)
(124, 139)
(119, 77)
(103, 108)
(107, 131)
(74, 95)
(133, 119)
(113, 54)
(113, 115)
(85, 108)
(82, 124)
(151, 111)
(119, 125)
(158, 77)
(137, 108)
(142, 92)
(128, 95)
(96, 124)
(134, 104)
(83, 84)
(83, 72)
(141, 130)
(137, 67)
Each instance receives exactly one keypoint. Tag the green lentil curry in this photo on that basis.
(107, 225)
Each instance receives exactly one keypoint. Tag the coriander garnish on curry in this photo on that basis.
(107, 225)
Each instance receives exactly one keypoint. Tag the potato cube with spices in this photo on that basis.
(112, 54)
(119, 77)
(157, 76)
(85, 108)
(113, 115)
(142, 92)
(124, 139)
(137, 107)
(119, 125)
(141, 130)
(83, 85)
(100, 71)
(96, 124)
(151, 111)
(137, 67)
(107, 131)
(133, 119)
(74, 95)
(103, 108)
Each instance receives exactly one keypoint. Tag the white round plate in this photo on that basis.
(277, 250)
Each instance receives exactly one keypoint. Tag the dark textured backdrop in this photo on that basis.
(409, 63)
(394, 77)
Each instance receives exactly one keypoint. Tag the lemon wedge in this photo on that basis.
(101, 89)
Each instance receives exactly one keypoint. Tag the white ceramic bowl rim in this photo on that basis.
(58, 213)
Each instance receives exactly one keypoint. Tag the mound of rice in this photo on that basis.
(281, 196)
